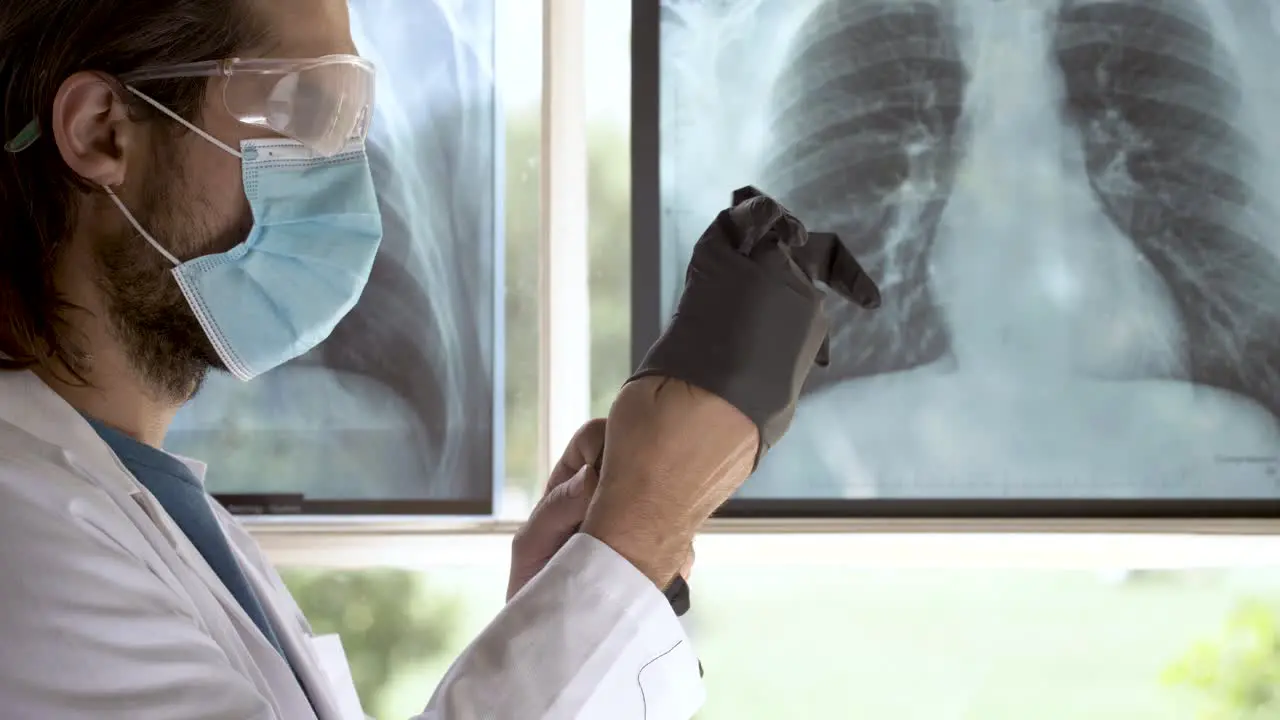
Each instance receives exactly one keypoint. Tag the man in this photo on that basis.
(165, 211)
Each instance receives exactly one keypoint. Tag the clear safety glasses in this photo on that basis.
(323, 102)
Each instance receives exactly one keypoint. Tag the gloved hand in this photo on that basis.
(749, 326)
(720, 386)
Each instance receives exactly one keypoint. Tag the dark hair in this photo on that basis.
(41, 45)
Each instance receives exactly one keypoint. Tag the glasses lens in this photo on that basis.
(323, 106)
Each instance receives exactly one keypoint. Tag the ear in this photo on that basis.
(92, 129)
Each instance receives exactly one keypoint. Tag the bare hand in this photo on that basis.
(561, 510)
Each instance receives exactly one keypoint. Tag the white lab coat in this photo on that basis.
(107, 611)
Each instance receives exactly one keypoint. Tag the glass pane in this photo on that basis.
(520, 66)
(608, 62)
(1070, 215)
(398, 405)
(829, 641)
(608, 55)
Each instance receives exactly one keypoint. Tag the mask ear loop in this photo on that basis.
(138, 226)
(179, 119)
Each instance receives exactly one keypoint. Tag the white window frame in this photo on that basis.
(564, 324)
(893, 544)
(564, 404)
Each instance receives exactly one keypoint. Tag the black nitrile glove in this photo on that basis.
(749, 325)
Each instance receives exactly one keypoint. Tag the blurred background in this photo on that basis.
(811, 640)
(829, 642)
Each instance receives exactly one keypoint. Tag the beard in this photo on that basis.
(146, 311)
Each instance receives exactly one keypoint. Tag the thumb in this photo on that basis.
(564, 508)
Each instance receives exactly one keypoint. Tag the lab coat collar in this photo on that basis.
(27, 402)
(52, 420)
(198, 469)
(42, 412)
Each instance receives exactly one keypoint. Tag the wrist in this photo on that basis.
(658, 548)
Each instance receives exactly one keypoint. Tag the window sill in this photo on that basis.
(868, 544)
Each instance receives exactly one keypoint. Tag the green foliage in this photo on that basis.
(387, 621)
(1236, 675)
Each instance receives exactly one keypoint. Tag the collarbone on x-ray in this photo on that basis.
(1068, 205)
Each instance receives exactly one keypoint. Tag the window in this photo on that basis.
(519, 71)
(1071, 295)
(875, 626)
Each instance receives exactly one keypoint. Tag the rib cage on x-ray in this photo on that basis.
(424, 324)
(1117, 336)
(1155, 98)
(865, 129)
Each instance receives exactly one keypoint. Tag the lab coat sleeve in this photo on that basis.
(89, 630)
(589, 638)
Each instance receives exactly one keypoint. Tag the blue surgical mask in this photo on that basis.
(316, 231)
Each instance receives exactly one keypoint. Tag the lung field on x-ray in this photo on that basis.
(1155, 98)
(864, 141)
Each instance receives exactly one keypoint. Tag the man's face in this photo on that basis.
(188, 194)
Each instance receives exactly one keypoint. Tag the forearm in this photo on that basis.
(656, 543)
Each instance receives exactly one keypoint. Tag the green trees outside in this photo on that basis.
(1237, 675)
(388, 620)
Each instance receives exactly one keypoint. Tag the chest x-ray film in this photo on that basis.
(1070, 207)
(395, 412)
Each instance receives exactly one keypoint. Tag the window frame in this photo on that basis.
(564, 329)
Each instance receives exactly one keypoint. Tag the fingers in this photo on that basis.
(754, 220)
(849, 279)
(584, 448)
(554, 520)
(564, 507)
(744, 194)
